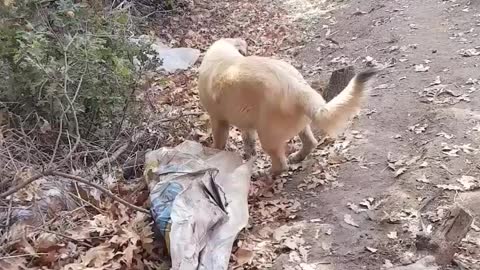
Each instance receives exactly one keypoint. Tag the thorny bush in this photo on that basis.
(65, 65)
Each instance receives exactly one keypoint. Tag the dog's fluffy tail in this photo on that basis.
(334, 115)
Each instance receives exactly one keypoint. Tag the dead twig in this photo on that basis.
(84, 202)
(70, 105)
(79, 241)
(21, 255)
(57, 142)
(75, 178)
(332, 40)
(104, 190)
(9, 213)
(110, 159)
(22, 185)
(180, 116)
(116, 154)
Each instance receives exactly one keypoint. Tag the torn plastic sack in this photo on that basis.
(199, 202)
(172, 59)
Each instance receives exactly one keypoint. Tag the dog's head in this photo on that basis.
(222, 49)
(238, 43)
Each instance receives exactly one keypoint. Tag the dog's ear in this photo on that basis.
(239, 43)
(319, 86)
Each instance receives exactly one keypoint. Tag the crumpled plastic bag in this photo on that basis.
(172, 59)
(177, 58)
(199, 202)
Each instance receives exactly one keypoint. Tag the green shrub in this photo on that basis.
(62, 63)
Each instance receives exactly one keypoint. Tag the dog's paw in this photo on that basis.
(277, 172)
(296, 157)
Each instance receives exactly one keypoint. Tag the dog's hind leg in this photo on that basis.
(308, 144)
(220, 129)
(248, 137)
(274, 146)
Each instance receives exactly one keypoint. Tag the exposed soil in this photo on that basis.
(403, 33)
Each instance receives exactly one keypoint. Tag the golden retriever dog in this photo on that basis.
(271, 98)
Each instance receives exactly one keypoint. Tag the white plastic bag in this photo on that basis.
(199, 202)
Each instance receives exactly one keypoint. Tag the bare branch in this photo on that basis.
(22, 185)
(75, 178)
(70, 105)
(116, 154)
(57, 142)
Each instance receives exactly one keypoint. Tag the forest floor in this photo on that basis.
(360, 202)
(411, 154)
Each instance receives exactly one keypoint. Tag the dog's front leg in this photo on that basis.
(248, 137)
(279, 159)
(220, 129)
(308, 144)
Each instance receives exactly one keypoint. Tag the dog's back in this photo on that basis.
(255, 92)
(244, 90)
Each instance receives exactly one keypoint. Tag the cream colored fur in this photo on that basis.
(271, 98)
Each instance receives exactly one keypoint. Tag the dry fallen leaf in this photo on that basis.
(384, 86)
(421, 68)
(355, 208)
(367, 203)
(449, 187)
(392, 235)
(400, 171)
(129, 254)
(475, 227)
(449, 151)
(307, 266)
(98, 256)
(468, 182)
(47, 242)
(293, 242)
(387, 265)
(466, 148)
(413, 160)
(469, 52)
(418, 128)
(349, 220)
(445, 135)
(471, 81)
(423, 179)
(13, 263)
(279, 233)
(436, 82)
(243, 256)
(303, 253)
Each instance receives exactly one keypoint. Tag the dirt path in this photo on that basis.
(357, 204)
(400, 123)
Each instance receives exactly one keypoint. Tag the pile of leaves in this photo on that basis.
(66, 104)
(92, 232)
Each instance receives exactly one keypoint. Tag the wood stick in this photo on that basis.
(78, 179)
